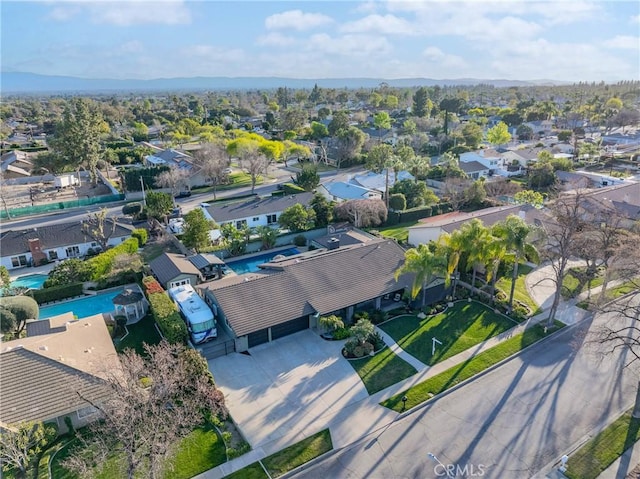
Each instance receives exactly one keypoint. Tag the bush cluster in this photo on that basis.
(165, 313)
(101, 265)
(141, 235)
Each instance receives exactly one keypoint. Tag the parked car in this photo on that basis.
(183, 194)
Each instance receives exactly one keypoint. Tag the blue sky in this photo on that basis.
(142, 39)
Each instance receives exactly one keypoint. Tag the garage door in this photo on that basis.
(259, 337)
(289, 327)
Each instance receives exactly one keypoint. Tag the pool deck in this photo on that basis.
(44, 269)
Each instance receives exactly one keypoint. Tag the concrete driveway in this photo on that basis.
(290, 387)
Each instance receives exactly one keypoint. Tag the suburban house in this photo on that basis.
(178, 160)
(33, 246)
(290, 294)
(15, 164)
(255, 211)
(475, 170)
(56, 370)
(623, 200)
(540, 127)
(489, 158)
(342, 234)
(377, 181)
(430, 229)
(570, 180)
(340, 191)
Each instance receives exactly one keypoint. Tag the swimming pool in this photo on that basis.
(83, 307)
(32, 281)
(250, 265)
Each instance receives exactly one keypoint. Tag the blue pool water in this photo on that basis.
(33, 281)
(250, 265)
(83, 307)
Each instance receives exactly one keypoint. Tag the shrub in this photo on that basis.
(69, 271)
(300, 240)
(132, 209)
(151, 285)
(397, 202)
(101, 265)
(53, 293)
(341, 333)
(166, 315)
(360, 315)
(378, 316)
(376, 340)
(141, 235)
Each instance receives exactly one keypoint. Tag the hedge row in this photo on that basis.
(54, 293)
(101, 265)
(292, 189)
(415, 214)
(165, 313)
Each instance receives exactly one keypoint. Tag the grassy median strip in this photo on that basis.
(382, 370)
(447, 379)
(289, 458)
(601, 451)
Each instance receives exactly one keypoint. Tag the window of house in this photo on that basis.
(180, 283)
(271, 219)
(86, 412)
(256, 218)
(17, 261)
(241, 223)
(94, 244)
(72, 251)
(53, 255)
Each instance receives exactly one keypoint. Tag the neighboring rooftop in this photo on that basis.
(256, 207)
(169, 265)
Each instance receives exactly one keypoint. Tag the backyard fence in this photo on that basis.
(61, 205)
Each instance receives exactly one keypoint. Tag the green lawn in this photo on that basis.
(382, 370)
(571, 286)
(400, 231)
(237, 179)
(447, 379)
(144, 331)
(201, 450)
(597, 454)
(458, 328)
(520, 293)
(293, 456)
(622, 289)
(289, 458)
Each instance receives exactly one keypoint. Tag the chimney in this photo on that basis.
(333, 243)
(36, 251)
(522, 214)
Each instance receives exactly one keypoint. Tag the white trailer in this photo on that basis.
(199, 317)
(64, 181)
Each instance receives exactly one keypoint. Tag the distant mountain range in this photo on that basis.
(20, 82)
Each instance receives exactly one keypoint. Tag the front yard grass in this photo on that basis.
(460, 327)
(572, 286)
(399, 232)
(382, 370)
(252, 471)
(447, 379)
(199, 451)
(601, 451)
(144, 331)
(520, 293)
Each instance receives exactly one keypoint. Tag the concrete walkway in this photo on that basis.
(366, 417)
(624, 464)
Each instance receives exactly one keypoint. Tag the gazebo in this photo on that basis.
(131, 304)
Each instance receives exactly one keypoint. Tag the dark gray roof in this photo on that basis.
(128, 296)
(14, 242)
(203, 260)
(490, 216)
(36, 388)
(319, 281)
(257, 207)
(41, 327)
(168, 266)
(472, 166)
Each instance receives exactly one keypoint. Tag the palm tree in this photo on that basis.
(451, 246)
(426, 264)
(267, 235)
(476, 239)
(495, 251)
(514, 232)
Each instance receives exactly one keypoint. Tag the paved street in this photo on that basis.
(513, 421)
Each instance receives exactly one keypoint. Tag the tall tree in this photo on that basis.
(267, 235)
(499, 134)
(175, 178)
(426, 265)
(196, 230)
(308, 178)
(297, 218)
(420, 102)
(158, 204)
(380, 159)
(250, 157)
(213, 161)
(349, 144)
(99, 228)
(514, 232)
(362, 213)
(381, 122)
(339, 122)
(475, 238)
(323, 209)
(77, 136)
(170, 384)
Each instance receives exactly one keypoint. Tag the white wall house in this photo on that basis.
(34, 246)
(254, 212)
(340, 191)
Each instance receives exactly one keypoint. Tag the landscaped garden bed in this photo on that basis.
(460, 327)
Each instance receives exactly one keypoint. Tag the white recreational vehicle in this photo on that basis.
(199, 318)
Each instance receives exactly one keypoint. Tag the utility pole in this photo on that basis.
(144, 201)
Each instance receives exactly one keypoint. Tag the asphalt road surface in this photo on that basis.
(507, 424)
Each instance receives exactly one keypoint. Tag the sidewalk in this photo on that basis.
(367, 417)
(630, 459)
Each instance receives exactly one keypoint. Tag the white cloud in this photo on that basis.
(439, 58)
(275, 39)
(350, 45)
(131, 12)
(380, 24)
(370, 6)
(297, 20)
(623, 41)
(635, 19)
